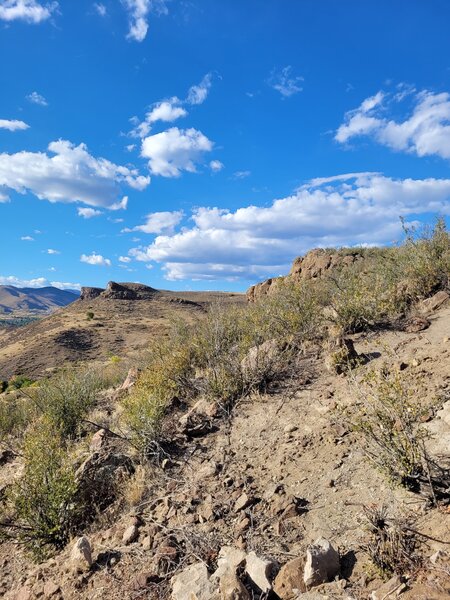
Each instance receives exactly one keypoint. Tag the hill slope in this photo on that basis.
(33, 300)
(126, 319)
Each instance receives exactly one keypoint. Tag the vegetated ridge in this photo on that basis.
(294, 447)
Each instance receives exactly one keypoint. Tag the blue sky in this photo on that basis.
(192, 144)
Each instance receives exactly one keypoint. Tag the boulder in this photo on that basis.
(81, 555)
(260, 571)
(322, 563)
(289, 580)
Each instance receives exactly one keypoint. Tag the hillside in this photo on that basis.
(15, 300)
(127, 317)
(291, 448)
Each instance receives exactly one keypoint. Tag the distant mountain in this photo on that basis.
(35, 300)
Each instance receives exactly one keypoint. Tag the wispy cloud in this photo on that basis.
(100, 9)
(241, 174)
(159, 222)
(425, 131)
(52, 251)
(36, 98)
(286, 82)
(138, 13)
(27, 238)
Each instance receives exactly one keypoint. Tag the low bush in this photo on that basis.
(41, 509)
(389, 420)
(167, 376)
(390, 542)
(16, 413)
(67, 397)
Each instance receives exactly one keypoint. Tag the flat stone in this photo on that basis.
(130, 534)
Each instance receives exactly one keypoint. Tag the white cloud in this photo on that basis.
(88, 213)
(38, 282)
(124, 259)
(285, 82)
(100, 9)
(197, 94)
(425, 131)
(95, 259)
(138, 12)
(175, 150)
(241, 174)
(27, 238)
(216, 166)
(52, 251)
(13, 125)
(166, 110)
(70, 175)
(159, 222)
(36, 98)
(29, 11)
(257, 241)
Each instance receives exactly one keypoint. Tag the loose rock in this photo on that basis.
(322, 563)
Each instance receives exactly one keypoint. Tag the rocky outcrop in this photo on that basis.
(315, 264)
(128, 291)
(89, 293)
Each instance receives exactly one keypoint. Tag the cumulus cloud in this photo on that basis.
(38, 282)
(285, 82)
(95, 259)
(159, 222)
(258, 241)
(71, 174)
(216, 166)
(88, 213)
(425, 131)
(138, 13)
(124, 259)
(175, 150)
(36, 98)
(167, 111)
(13, 125)
(29, 11)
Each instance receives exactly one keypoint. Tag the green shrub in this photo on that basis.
(41, 505)
(19, 381)
(167, 375)
(67, 397)
(89, 315)
(389, 420)
(16, 413)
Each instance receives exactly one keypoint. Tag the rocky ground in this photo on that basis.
(253, 503)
